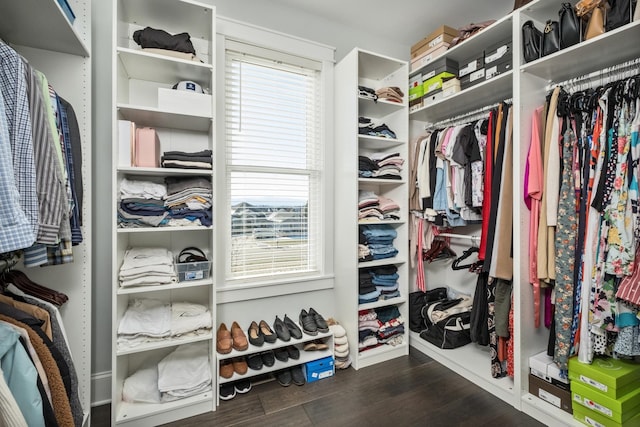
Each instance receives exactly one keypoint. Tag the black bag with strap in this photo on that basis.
(419, 299)
(570, 33)
(550, 38)
(620, 13)
(450, 332)
(531, 41)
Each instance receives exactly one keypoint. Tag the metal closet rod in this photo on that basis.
(465, 117)
(615, 72)
(458, 236)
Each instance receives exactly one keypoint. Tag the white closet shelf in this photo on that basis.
(379, 262)
(545, 412)
(381, 353)
(132, 170)
(373, 66)
(179, 285)
(162, 229)
(305, 356)
(134, 411)
(385, 221)
(612, 47)
(378, 142)
(172, 342)
(164, 69)
(156, 117)
(382, 303)
(48, 29)
(367, 107)
(382, 181)
(488, 92)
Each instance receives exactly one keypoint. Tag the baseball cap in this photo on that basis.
(189, 86)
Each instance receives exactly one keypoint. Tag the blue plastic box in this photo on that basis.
(66, 8)
(319, 369)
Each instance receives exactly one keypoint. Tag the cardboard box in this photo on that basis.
(439, 35)
(428, 57)
(543, 367)
(472, 79)
(620, 410)
(432, 97)
(496, 69)
(470, 66)
(498, 52)
(592, 418)
(435, 82)
(319, 369)
(550, 393)
(439, 65)
(450, 87)
(612, 377)
(185, 102)
(415, 105)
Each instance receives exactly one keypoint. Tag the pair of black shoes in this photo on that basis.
(286, 329)
(291, 375)
(257, 360)
(283, 354)
(259, 333)
(312, 322)
(228, 390)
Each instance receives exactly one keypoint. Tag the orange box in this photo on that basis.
(439, 35)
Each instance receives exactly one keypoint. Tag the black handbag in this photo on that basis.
(570, 33)
(531, 41)
(619, 13)
(419, 299)
(550, 38)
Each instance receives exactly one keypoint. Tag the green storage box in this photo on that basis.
(594, 419)
(619, 410)
(435, 82)
(612, 377)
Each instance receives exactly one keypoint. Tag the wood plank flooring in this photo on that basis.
(407, 391)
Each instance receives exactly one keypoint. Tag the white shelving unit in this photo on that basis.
(61, 50)
(374, 71)
(137, 77)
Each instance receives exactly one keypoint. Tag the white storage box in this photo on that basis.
(184, 102)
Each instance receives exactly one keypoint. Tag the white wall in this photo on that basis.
(257, 12)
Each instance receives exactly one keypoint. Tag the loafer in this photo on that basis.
(240, 365)
(269, 335)
(281, 330)
(284, 377)
(281, 354)
(310, 346)
(255, 336)
(293, 352)
(240, 342)
(224, 341)
(297, 375)
(226, 368)
(321, 345)
(321, 324)
(308, 324)
(227, 391)
(268, 358)
(294, 330)
(255, 361)
(242, 386)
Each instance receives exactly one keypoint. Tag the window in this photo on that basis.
(273, 164)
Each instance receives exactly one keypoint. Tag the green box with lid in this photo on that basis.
(594, 419)
(611, 377)
(620, 410)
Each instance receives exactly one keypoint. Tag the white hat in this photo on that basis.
(189, 86)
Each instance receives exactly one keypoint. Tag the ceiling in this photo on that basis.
(405, 21)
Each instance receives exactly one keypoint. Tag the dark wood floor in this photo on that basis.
(407, 391)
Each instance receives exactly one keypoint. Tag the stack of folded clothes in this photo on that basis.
(185, 372)
(372, 208)
(184, 160)
(367, 92)
(147, 267)
(390, 93)
(368, 326)
(189, 201)
(340, 345)
(379, 239)
(385, 279)
(141, 204)
(391, 330)
(389, 165)
(367, 291)
(366, 126)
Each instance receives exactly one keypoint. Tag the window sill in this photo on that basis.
(273, 289)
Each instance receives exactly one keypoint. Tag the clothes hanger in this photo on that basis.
(466, 254)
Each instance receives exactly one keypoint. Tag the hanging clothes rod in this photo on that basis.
(458, 236)
(603, 76)
(466, 117)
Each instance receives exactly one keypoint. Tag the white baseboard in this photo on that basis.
(100, 388)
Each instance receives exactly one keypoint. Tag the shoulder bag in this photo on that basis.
(595, 25)
(531, 40)
(550, 38)
(619, 14)
(569, 26)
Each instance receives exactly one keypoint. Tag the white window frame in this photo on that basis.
(230, 33)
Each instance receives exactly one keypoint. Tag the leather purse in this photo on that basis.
(619, 14)
(595, 25)
(531, 41)
(550, 38)
(570, 33)
(585, 7)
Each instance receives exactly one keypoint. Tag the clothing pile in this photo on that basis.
(183, 160)
(150, 320)
(184, 372)
(147, 267)
(161, 42)
(380, 326)
(390, 93)
(378, 239)
(367, 92)
(367, 292)
(341, 345)
(141, 204)
(380, 165)
(189, 201)
(385, 279)
(373, 208)
(367, 126)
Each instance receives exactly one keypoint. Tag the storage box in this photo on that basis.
(432, 97)
(188, 271)
(592, 418)
(436, 71)
(470, 66)
(497, 68)
(543, 367)
(184, 102)
(319, 369)
(472, 79)
(498, 52)
(550, 393)
(429, 56)
(619, 410)
(435, 82)
(612, 377)
(450, 87)
(442, 34)
(416, 89)
(66, 8)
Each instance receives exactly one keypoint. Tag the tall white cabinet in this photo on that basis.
(61, 50)
(363, 68)
(137, 77)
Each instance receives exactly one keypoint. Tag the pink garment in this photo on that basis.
(420, 284)
(629, 288)
(535, 184)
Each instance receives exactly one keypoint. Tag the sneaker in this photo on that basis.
(293, 352)
(297, 375)
(321, 324)
(268, 358)
(284, 377)
(255, 361)
(227, 391)
(281, 354)
(242, 386)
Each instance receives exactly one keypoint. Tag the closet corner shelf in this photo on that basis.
(378, 142)
(379, 262)
(163, 229)
(373, 66)
(133, 170)
(178, 285)
(164, 69)
(382, 181)
(538, 408)
(133, 411)
(48, 29)
(488, 92)
(384, 221)
(382, 303)
(172, 342)
(156, 117)
(382, 353)
(369, 108)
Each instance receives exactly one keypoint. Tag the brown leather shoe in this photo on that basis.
(240, 365)
(226, 368)
(223, 340)
(240, 342)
